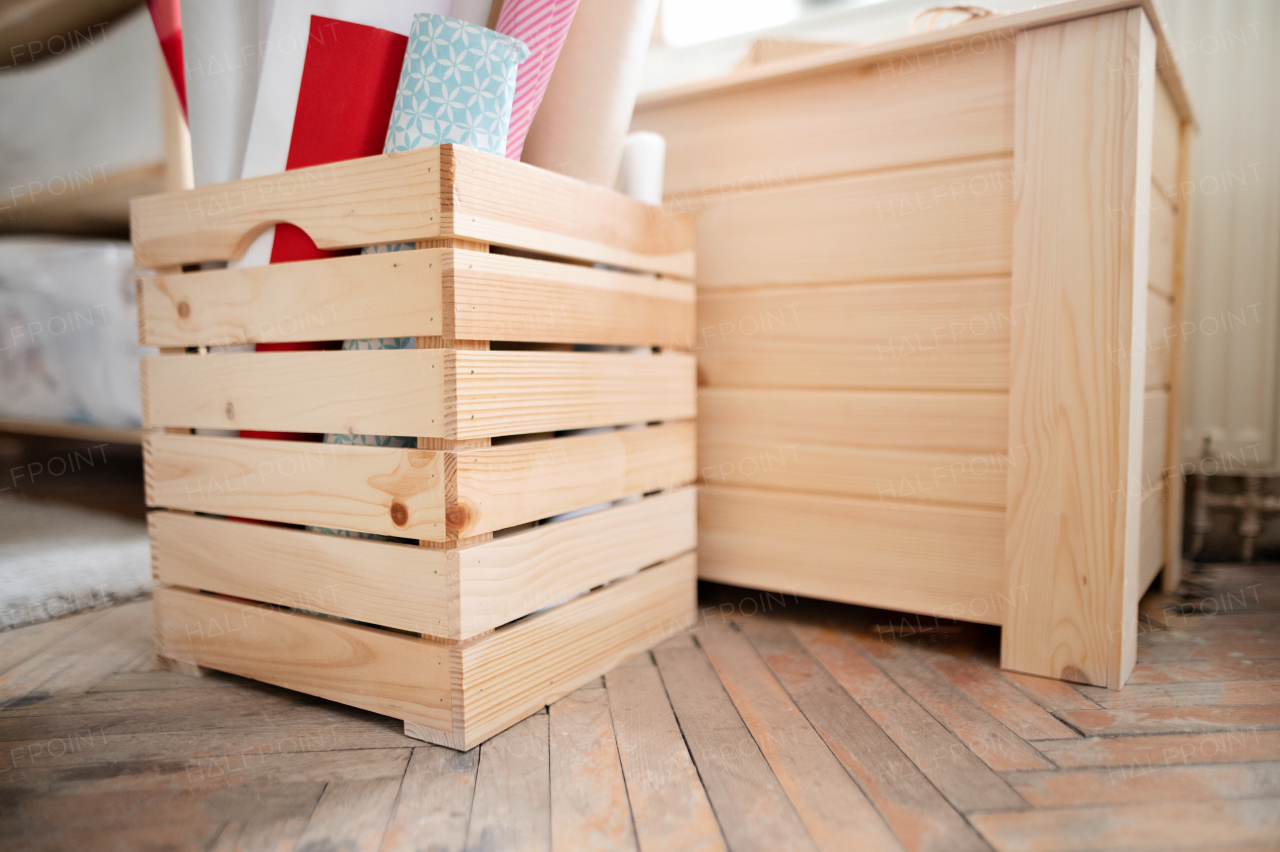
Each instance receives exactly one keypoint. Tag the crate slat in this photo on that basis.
(381, 490)
(376, 670)
(452, 594)
(510, 484)
(515, 393)
(431, 393)
(498, 297)
(363, 392)
(421, 494)
(500, 677)
(441, 192)
(395, 294)
(448, 292)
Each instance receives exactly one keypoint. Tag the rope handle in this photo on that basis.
(972, 13)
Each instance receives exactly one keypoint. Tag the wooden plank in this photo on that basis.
(351, 815)
(1165, 138)
(435, 801)
(438, 192)
(527, 665)
(844, 120)
(508, 484)
(501, 201)
(1072, 546)
(667, 799)
(750, 802)
(1155, 422)
(394, 585)
(1163, 784)
(22, 641)
(1161, 333)
(497, 297)
(511, 808)
(996, 745)
(589, 808)
(507, 578)
(73, 662)
(1151, 536)
(911, 805)
(394, 294)
(1164, 720)
(375, 670)
(1163, 223)
(350, 203)
(385, 490)
(930, 49)
(515, 393)
(1172, 575)
(835, 811)
(888, 445)
(997, 696)
(939, 333)
(957, 773)
(1201, 693)
(935, 560)
(448, 594)
(1138, 753)
(1146, 826)
(1213, 670)
(923, 222)
(360, 392)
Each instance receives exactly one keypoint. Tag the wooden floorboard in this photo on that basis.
(806, 726)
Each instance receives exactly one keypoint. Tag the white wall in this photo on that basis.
(1229, 53)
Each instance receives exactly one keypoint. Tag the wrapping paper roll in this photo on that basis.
(582, 124)
(542, 25)
(223, 61)
(644, 160)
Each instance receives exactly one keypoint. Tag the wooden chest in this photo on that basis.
(545, 378)
(940, 286)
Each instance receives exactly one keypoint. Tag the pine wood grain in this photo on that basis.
(511, 808)
(913, 807)
(1166, 139)
(843, 120)
(1151, 538)
(957, 773)
(1163, 225)
(589, 808)
(1161, 334)
(385, 490)
(941, 333)
(934, 560)
(923, 447)
(412, 196)
(361, 392)
(751, 804)
(394, 294)
(514, 393)
(497, 297)
(668, 802)
(508, 484)
(918, 222)
(835, 811)
(1071, 543)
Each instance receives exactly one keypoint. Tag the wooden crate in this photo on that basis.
(475, 604)
(939, 323)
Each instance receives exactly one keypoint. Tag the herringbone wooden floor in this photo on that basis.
(779, 724)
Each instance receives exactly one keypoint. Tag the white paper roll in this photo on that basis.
(582, 123)
(643, 164)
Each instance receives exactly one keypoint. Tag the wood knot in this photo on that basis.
(184, 310)
(399, 514)
(231, 411)
(457, 518)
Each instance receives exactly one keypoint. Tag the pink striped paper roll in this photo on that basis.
(542, 25)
